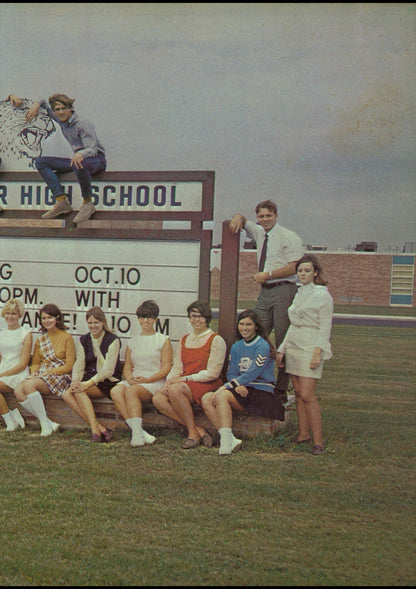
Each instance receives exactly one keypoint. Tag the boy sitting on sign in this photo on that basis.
(88, 158)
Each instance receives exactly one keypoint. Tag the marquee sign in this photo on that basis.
(78, 274)
(133, 248)
(115, 195)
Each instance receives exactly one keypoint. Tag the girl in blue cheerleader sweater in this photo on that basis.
(250, 381)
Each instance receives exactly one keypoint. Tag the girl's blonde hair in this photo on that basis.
(11, 305)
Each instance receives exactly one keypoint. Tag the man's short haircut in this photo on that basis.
(63, 99)
(267, 204)
(148, 309)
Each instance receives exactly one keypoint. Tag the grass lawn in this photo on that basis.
(75, 513)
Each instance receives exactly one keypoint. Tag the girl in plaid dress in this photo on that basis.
(52, 361)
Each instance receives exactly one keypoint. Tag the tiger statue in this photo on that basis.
(21, 142)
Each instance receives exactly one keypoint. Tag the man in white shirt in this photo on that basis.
(276, 274)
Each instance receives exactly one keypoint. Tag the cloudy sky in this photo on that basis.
(311, 105)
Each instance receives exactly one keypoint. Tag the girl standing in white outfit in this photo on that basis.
(148, 361)
(306, 346)
(15, 350)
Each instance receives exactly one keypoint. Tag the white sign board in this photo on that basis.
(117, 275)
(108, 196)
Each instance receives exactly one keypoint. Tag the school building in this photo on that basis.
(354, 277)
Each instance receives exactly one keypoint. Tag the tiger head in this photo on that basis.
(21, 142)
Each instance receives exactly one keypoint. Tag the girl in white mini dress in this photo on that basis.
(148, 361)
(15, 350)
(306, 346)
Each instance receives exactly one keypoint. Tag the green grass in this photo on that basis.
(368, 310)
(75, 513)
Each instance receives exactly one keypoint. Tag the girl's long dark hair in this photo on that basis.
(260, 329)
(54, 311)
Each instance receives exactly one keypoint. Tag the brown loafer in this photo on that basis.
(317, 449)
(191, 443)
(207, 441)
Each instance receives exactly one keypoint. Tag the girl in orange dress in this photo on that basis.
(196, 371)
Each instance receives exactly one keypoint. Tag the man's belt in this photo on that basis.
(273, 284)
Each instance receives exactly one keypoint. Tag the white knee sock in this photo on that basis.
(28, 406)
(11, 425)
(228, 442)
(137, 437)
(148, 438)
(38, 409)
(55, 426)
(18, 418)
(225, 440)
(235, 443)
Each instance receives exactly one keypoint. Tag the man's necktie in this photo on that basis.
(263, 254)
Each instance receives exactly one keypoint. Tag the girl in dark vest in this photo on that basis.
(96, 370)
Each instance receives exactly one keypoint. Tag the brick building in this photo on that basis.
(356, 278)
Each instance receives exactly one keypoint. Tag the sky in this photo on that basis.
(311, 105)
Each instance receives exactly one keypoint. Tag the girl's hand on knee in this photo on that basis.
(74, 387)
(164, 390)
(140, 380)
(241, 390)
(175, 379)
(86, 384)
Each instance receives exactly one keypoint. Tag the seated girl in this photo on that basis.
(15, 350)
(148, 361)
(196, 371)
(250, 385)
(52, 361)
(96, 370)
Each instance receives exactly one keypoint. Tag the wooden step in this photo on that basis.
(106, 412)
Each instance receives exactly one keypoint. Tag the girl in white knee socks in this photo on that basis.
(52, 362)
(15, 350)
